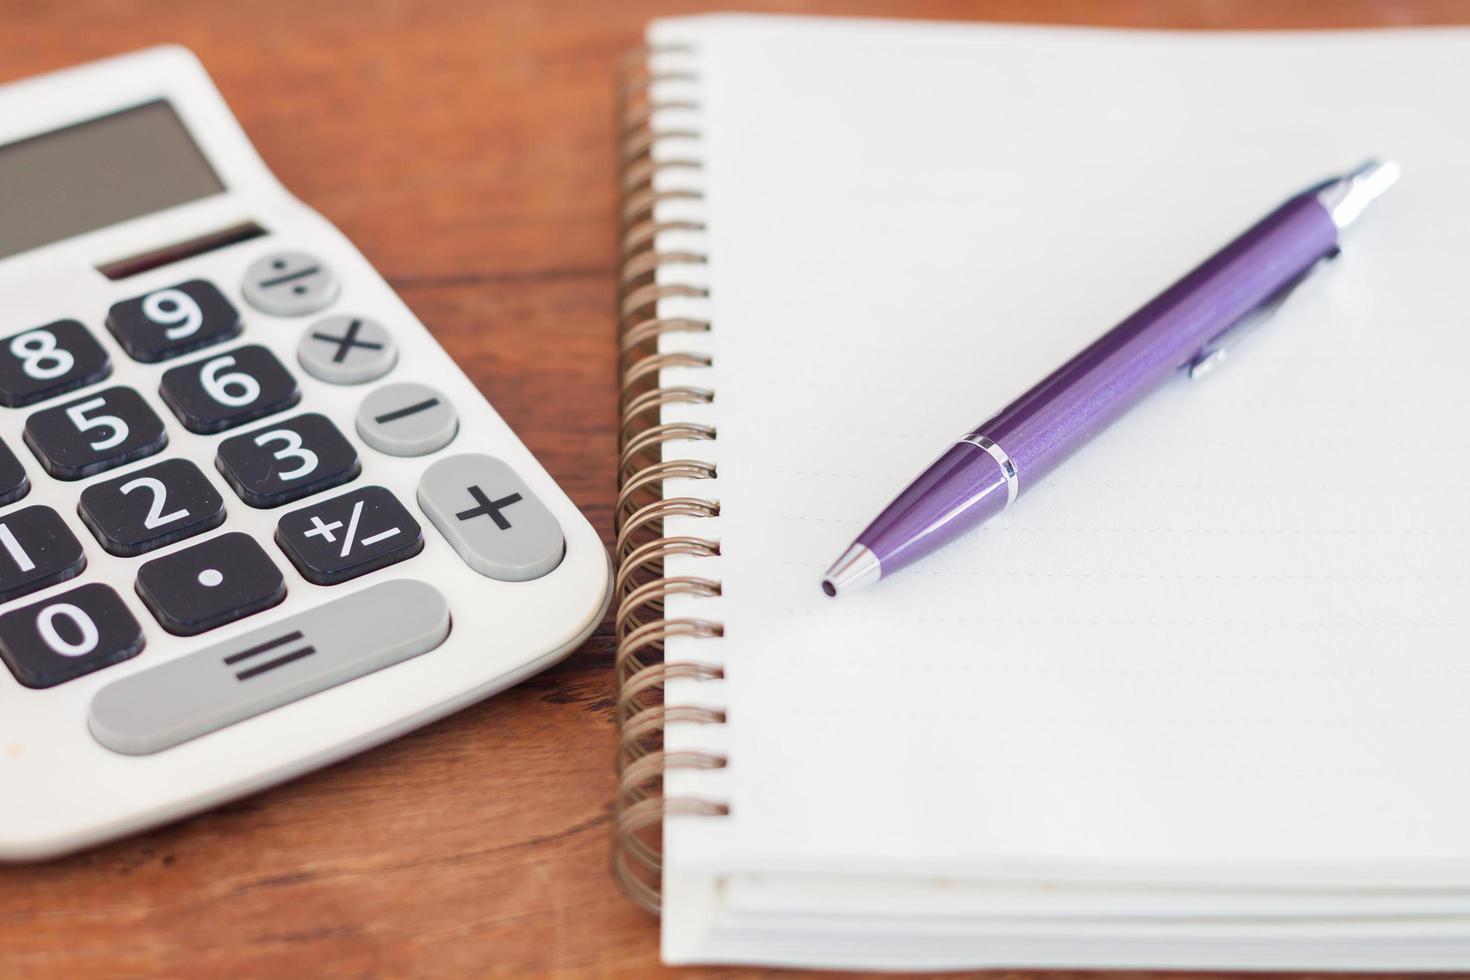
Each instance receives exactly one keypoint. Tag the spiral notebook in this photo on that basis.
(1200, 700)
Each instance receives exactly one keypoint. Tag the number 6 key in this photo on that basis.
(229, 389)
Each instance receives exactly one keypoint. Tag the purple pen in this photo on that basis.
(1187, 327)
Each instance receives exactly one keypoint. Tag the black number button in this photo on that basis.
(173, 321)
(287, 461)
(61, 638)
(94, 433)
(229, 389)
(210, 584)
(151, 507)
(47, 361)
(13, 482)
(359, 532)
(36, 550)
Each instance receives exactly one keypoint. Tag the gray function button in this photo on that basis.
(406, 419)
(269, 667)
(491, 518)
(347, 350)
(290, 284)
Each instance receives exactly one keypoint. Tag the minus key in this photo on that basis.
(407, 419)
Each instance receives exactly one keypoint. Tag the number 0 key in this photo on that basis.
(68, 635)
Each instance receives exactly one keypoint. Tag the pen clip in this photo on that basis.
(1213, 354)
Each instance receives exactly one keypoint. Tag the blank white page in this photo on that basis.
(1232, 637)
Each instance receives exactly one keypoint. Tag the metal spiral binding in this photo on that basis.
(642, 546)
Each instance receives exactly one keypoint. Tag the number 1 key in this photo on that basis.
(36, 550)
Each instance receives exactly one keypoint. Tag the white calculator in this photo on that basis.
(252, 518)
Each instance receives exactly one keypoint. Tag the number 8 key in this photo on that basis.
(48, 361)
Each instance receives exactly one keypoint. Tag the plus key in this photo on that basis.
(484, 505)
(521, 540)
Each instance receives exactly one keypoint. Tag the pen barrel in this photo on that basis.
(1065, 410)
(962, 489)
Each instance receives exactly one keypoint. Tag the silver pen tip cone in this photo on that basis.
(857, 567)
(1346, 199)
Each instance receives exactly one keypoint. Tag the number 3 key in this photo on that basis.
(287, 461)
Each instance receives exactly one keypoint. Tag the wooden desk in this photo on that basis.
(467, 147)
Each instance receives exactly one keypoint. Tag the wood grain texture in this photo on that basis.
(467, 147)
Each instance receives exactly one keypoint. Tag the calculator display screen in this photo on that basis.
(98, 173)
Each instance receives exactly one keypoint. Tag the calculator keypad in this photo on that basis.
(210, 584)
(229, 389)
(48, 361)
(94, 433)
(480, 506)
(151, 507)
(173, 321)
(68, 635)
(36, 550)
(350, 535)
(286, 461)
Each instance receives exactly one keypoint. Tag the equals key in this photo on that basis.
(230, 682)
(267, 647)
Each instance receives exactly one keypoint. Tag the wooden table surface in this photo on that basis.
(466, 146)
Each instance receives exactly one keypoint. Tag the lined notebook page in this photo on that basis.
(1234, 634)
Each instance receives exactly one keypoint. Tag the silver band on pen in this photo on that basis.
(1002, 458)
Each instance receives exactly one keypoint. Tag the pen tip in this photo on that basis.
(1378, 175)
(857, 567)
(1346, 198)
